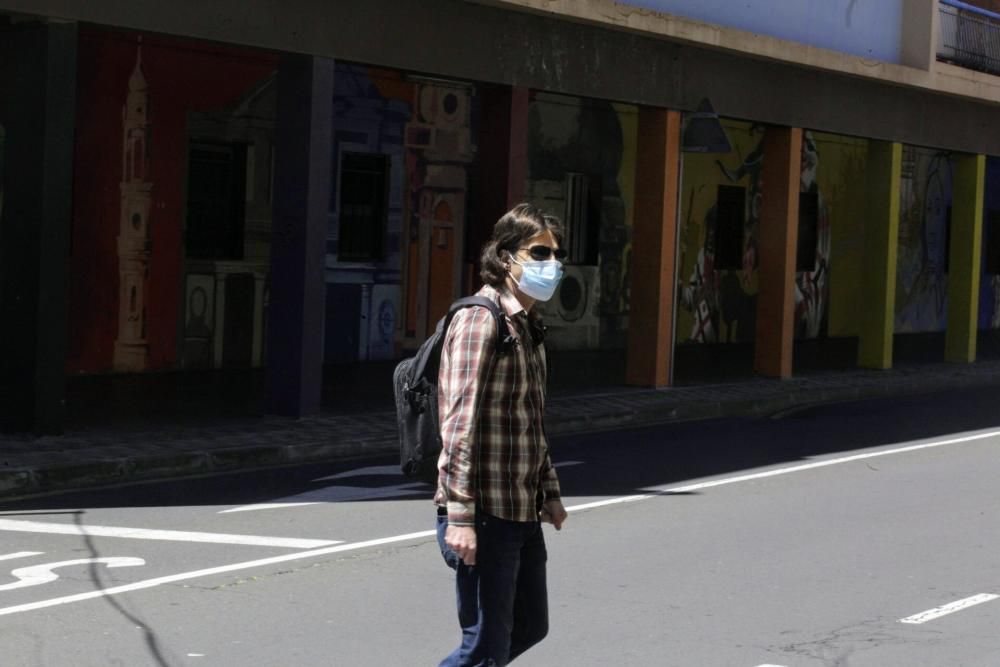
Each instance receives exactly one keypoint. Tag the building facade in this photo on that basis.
(180, 192)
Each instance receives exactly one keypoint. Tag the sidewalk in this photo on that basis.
(158, 449)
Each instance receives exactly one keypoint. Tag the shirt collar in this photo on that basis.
(508, 301)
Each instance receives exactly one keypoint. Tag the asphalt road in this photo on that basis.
(855, 534)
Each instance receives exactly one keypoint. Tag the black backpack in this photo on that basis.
(415, 382)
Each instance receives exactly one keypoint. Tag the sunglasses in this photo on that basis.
(543, 252)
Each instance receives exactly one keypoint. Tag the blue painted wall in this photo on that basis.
(867, 28)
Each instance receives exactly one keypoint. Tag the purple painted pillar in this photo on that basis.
(302, 173)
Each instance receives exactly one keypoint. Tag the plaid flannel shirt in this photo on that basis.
(495, 453)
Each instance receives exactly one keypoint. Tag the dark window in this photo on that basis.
(805, 257)
(730, 213)
(582, 226)
(947, 240)
(364, 191)
(216, 199)
(993, 242)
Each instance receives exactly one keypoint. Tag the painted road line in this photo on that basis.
(938, 612)
(785, 471)
(37, 575)
(21, 554)
(223, 569)
(336, 494)
(384, 541)
(168, 535)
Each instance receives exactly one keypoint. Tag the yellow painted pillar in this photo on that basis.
(966, 243)
(881, 241)
(779, 229)
(654, 242)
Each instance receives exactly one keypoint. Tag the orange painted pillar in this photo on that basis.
(778, 241)
(654, 242)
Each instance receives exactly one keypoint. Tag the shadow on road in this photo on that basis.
(595, 464)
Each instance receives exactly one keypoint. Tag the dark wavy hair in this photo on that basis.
(514, 228)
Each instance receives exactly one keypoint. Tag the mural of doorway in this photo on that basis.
(439, 151)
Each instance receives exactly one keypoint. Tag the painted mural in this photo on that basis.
(130, 203)
(719, 298)
(416, 136)
(134, 243)
(720, 233)
(581, 168)
(921, 273)
(989, 284)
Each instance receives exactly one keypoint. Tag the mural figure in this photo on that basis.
(812, 290)
(714, 297)
(723, 303)
(921, 280)
(134, 243)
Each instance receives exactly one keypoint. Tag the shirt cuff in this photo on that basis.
(461, 514)
(550, 490)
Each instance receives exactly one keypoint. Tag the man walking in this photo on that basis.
(496, 482)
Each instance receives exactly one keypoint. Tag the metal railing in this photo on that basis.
(970, 37)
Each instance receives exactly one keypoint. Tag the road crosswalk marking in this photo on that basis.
(168, 535)
(958, 605)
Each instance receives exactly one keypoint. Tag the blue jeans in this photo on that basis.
(503, 603)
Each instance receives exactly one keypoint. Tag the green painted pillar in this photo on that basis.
(881, 242)
(966, 244)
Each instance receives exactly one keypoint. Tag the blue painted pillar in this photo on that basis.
(302, 173)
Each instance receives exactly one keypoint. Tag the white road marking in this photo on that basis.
(369, 471)
(938, 612)
(336, 494)
(36, 575)
(786, 471)
(223, 569)
(168, 535)
(21, 554)
(314, 553)
(567, 464)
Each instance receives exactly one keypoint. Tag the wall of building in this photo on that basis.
(866, 29)
(182, 77)
(889, 101)
(719, 287)
(842, 185)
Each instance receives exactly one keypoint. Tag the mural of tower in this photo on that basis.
(134, 244)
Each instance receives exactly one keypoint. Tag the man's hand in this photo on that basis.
(553, 512)
(462, 540)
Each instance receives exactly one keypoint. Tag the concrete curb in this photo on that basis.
(645, 411)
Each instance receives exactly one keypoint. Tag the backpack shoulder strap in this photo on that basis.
(430, 361)
(505, 342)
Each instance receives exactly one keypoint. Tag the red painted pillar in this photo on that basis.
(779, 218)
(654, 242)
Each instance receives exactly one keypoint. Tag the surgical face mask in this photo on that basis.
(539, 279)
